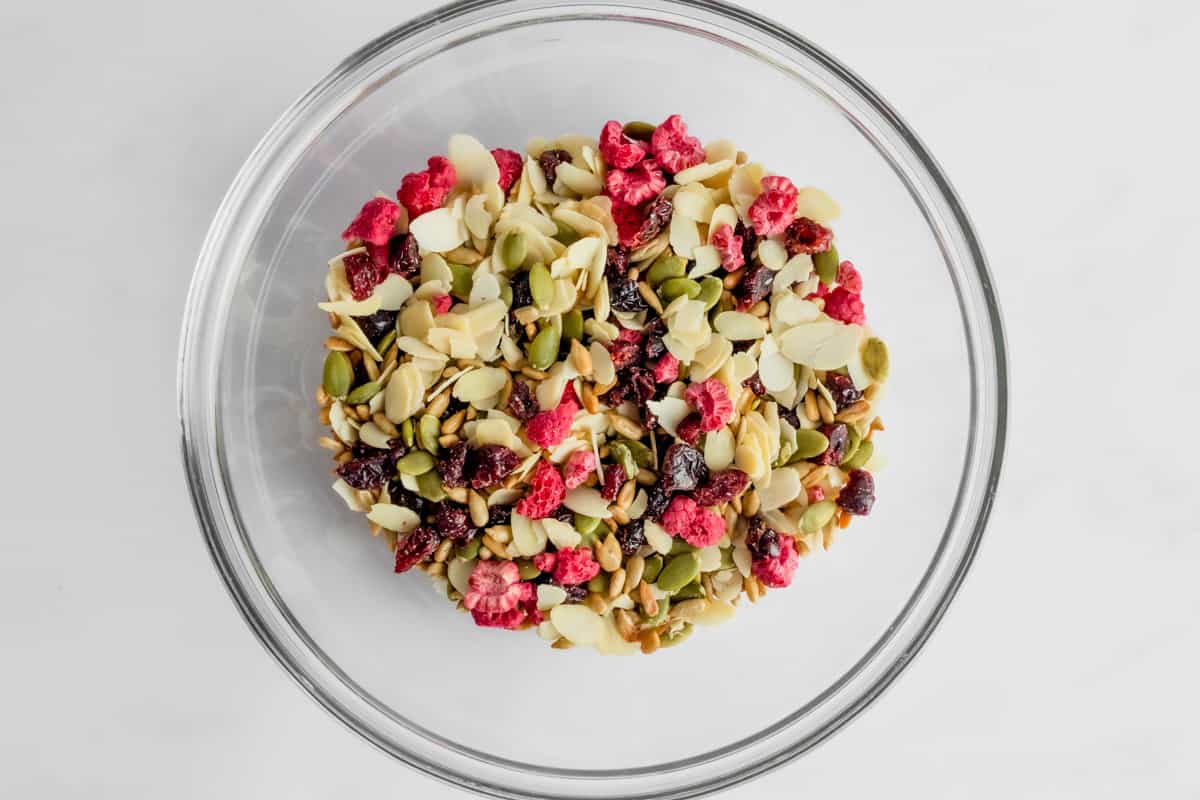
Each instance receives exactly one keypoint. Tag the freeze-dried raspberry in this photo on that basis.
(711, 399)
(844, 305)
(441, 303)
(574, 566)
(495, 586)
(510, 163)
(578, 466)
(508, 620)
(775, 208)
(416, 547)
(688, 429)
(697, 526)
(491, 464)
(729, 246)
(822, 291)
(528, 604)
(424, 191)
(816, 494)
(721, 487)
(805, 236)
(522, 402)
(629, 220)
(544, 561)
(624, 354)
(636, 185)
(673, 148)
(848, 278)
(375, 222)
(549, 428)
(776, 571)
(619, 150)
(614, 478)
(363, 274)
(666, 369)
(546, 492)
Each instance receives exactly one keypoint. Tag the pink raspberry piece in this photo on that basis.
(816, 494)
(619, 150)
(546, 492)
(374, 223)
(495, 587)
(673, 148)
(699, 527)
(711, 399)
(635, 185)
(544, 561)
(848, 278)
(775, 208)
(729, 246)
(441, 303)
(510, 164)
(846, 306)
(666, 369)
(575, 566)
(776, 571)
(549, 428)
(579, 465)
(426, 190)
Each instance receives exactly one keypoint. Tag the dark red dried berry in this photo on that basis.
(564, 514)
(658, 216)
(614, 479)
(575, 593)
(452, 465)
(841, 388)
(617, 263)
(763, 542)
(631, 537)
(858, 495)
(522, 402)
(490, 464)
(755, 285)
(377, 325)
(653, 333)
(721, 487)
(749, 240)
(805, 236)
(683, 468)
(403, 497)
(624, 354)
(454, 521)
(499, 514)
(521, 294)
(688, 428)
(755, 384)
(791, 416)
(839, 440)
(416, 547)
(404, 256)
(362, 274)
(549, 161)
(623, 295)
(369, 472)
(656, 502)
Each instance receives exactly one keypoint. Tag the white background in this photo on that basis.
(1068, 665)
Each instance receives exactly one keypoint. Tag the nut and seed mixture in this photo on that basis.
(604, 388)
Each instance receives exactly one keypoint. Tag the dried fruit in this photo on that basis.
(636, 185)
(805, 236)
(754, 383)
(858, 495)
(616, 264)
(546, 492)
(522, 402)
(369, 472)
(510, 163)
(839, 441)
(363, 275)
(775, 208)
(452, 464)
(848, 278)
(549, 428)
(631, 537)
(683, 468)
(656, 502)
(729, 245)
(762, 541)
(521, 295)
(426, 190)
(549, 161)
(666, 369)
(618, 150)
(721, 487)
(579, 465)
(623, 295)
(673, 148)
(689, 429)
(574, 566)
(841, 389)
(404, 255)
(441, 303)
(374, 222)
(755, 285)
(614, 478)
(490, 464)
(416, 547)
(453, 521)
(776, 571)
(711, 399)
(699, 527)
(845, 306)
(377, 325)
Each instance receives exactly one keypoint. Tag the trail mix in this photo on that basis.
(602, 388)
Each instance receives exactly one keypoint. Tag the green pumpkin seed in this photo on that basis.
(471, 549)
(506, 294)
(875, 359)
(338, 374)
(786, 449)
(826, 265)
(541, 286)
(386, 341)
(677, 287)
(854, 439)
(680, 546)
(726, 557)
(586, 525)
(573, 324)
(565, 233)
(363, 393)
(679, 572)
(464, 278)
(418, 462)
(429, 486)
(514, 250)
(643, 456)
(527, 570)
(710, 291)
(678, 636)
(598, 583)
(817, 516)
(428, 430)
(810, 444)
(407, 434)
(654, 565)
(667, 266)
(664, 608)
(861, 456)
(641, 131)
(543, 350)
(690, 591)
(622, 455)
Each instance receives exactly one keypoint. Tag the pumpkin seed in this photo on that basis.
(826, 265)
(418, 462)
(363, 393)
(680, 546)
(643, 456)
(654, 565)
(543, 350)
(688, 592)
(429, 486)
(587, 525)
(680, 571)
(817, 516)
(428, 431)
(470, 550)
(678, 287)
(565, 233)
(810, 444)
(514, 250)
(673, 639)
(462, 279)
(338, 374)
(406, 432)
(641, 131)
(710, 291)
(861, 456)
(541, 286)
(622, 455)
(506, 295)
(855, 439)
(573, 324)
(386, 341)
(599, 584)
(874, 359)
(667, 266)
(726, 557)
(527, 570)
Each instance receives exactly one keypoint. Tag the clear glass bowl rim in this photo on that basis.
(251, 590)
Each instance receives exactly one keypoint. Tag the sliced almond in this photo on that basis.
(438, 231)
(480, 384)
(824, 344)
(587, 501)
(394, 517)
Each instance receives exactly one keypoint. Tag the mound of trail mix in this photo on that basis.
(603, 388)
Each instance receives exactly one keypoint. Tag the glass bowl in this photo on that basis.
(501, 713)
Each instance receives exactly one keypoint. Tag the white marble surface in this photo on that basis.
(1067, 667)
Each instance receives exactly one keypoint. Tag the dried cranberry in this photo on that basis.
(683, 468)
(617, 263)
(564, 514)
(614, 479)
(858, 495)
(839, 440)
(575, 593)
(841, 388)
(755, 285)
(522, 402)
(403, 497)
(721, 487)
(791, 416)
(416, 547)
(805, 236)
(404, 256)
(369, 472)
(377, 325)
(499, 515)
(491, 464)
(763, 542)
(658, 216)
(631, 537)
(549, 161)
(688, 428)
(656, 502)
(362, 274)
(623, 295)
(454, 521)
(452, 465)
(755, 385)
(653, 332)
(749, 240)
(641, 383)
(521, 294)
(624, 353)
